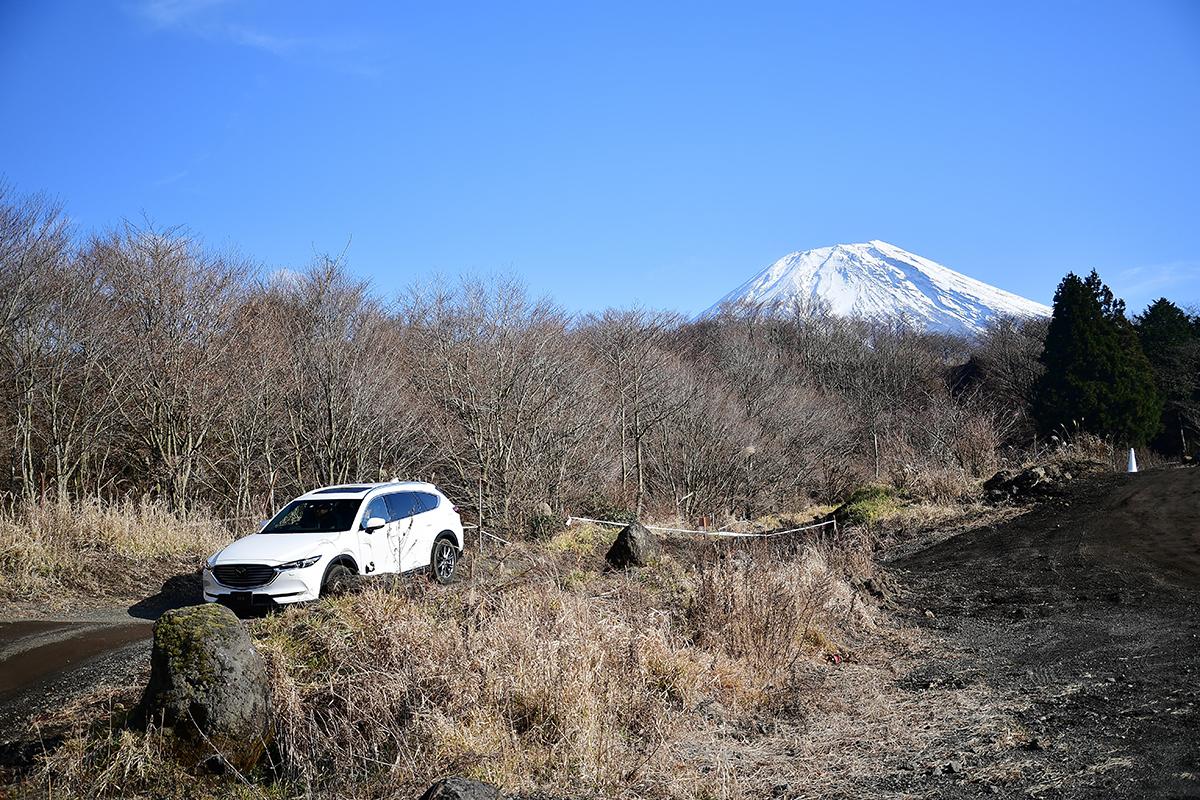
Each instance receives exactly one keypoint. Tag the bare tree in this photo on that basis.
(175, 304)
(345, 411)
(637, 367)
(77, 408)
(34, 244)
(511, 412)
(141, 363)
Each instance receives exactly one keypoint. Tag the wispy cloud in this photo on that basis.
(167, 180)
(279, 45)
(1141, 285)
(210, 19)
(175, 13)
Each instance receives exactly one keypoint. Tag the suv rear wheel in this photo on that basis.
(444, 558)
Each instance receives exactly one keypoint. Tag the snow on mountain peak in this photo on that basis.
(881, 281)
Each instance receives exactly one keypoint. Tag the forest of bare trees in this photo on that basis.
(136, 363)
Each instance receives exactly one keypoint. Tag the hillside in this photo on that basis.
(1033, 651)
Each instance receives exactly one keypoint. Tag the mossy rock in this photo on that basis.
(209, 686)
(581, 539)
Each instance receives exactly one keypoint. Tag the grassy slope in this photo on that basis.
(723, 670)
(57, 554)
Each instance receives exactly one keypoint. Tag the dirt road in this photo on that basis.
(46, 660)
(43, 661)
(1086, 612)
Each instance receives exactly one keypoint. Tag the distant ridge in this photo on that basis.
(880, 281)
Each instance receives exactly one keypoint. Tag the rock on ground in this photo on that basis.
(634, 547)
(460, 789)
(1031, 482)
(209, 685)
(881, 588)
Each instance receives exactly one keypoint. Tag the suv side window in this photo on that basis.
(376, 508)
(428, 501)
(402, 505)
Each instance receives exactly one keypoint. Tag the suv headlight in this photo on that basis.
(300, 564)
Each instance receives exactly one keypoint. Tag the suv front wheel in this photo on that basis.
(336, 578)
(444, 559)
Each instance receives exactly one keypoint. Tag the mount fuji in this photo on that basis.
(880, 281)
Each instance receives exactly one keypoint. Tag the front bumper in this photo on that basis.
(291, 586)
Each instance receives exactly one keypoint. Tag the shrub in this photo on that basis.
(545, 690)
(770, 617)
(582, 539)
(543, 526)
(601, 508)
(936, 485)
(868, 505)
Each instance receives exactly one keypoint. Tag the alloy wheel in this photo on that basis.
(447, 558)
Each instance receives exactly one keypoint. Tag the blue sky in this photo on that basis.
(611, 153)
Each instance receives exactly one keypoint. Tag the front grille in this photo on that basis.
(243, 576)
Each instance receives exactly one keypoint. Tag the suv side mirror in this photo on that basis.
(374, 523)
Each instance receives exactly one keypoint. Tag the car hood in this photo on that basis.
(276, 548)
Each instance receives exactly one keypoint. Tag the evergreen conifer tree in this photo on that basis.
(1097, 377)
(1171, 340)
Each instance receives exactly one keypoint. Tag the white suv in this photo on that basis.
(331, 533)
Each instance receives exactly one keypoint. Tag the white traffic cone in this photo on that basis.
(1132, 461)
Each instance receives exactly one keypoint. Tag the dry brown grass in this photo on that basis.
(594, 686)
(50, 549)
(528, 688)
(772, 619)
(103, 758)
(722, 671)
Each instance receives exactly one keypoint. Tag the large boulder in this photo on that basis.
(634, 547)
(209, 685)
(460, 789)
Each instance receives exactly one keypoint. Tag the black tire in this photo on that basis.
(444, 559)
(336, 578)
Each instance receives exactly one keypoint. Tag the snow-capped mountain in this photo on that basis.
(881, 281)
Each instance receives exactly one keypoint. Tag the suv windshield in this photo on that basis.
(314, 516)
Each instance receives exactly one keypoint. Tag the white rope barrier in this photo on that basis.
(727, 534)
(469, 526)
(723, 534)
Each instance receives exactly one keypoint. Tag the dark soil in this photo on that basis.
(1087, 608)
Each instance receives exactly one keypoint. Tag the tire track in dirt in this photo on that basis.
(1087, 610)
